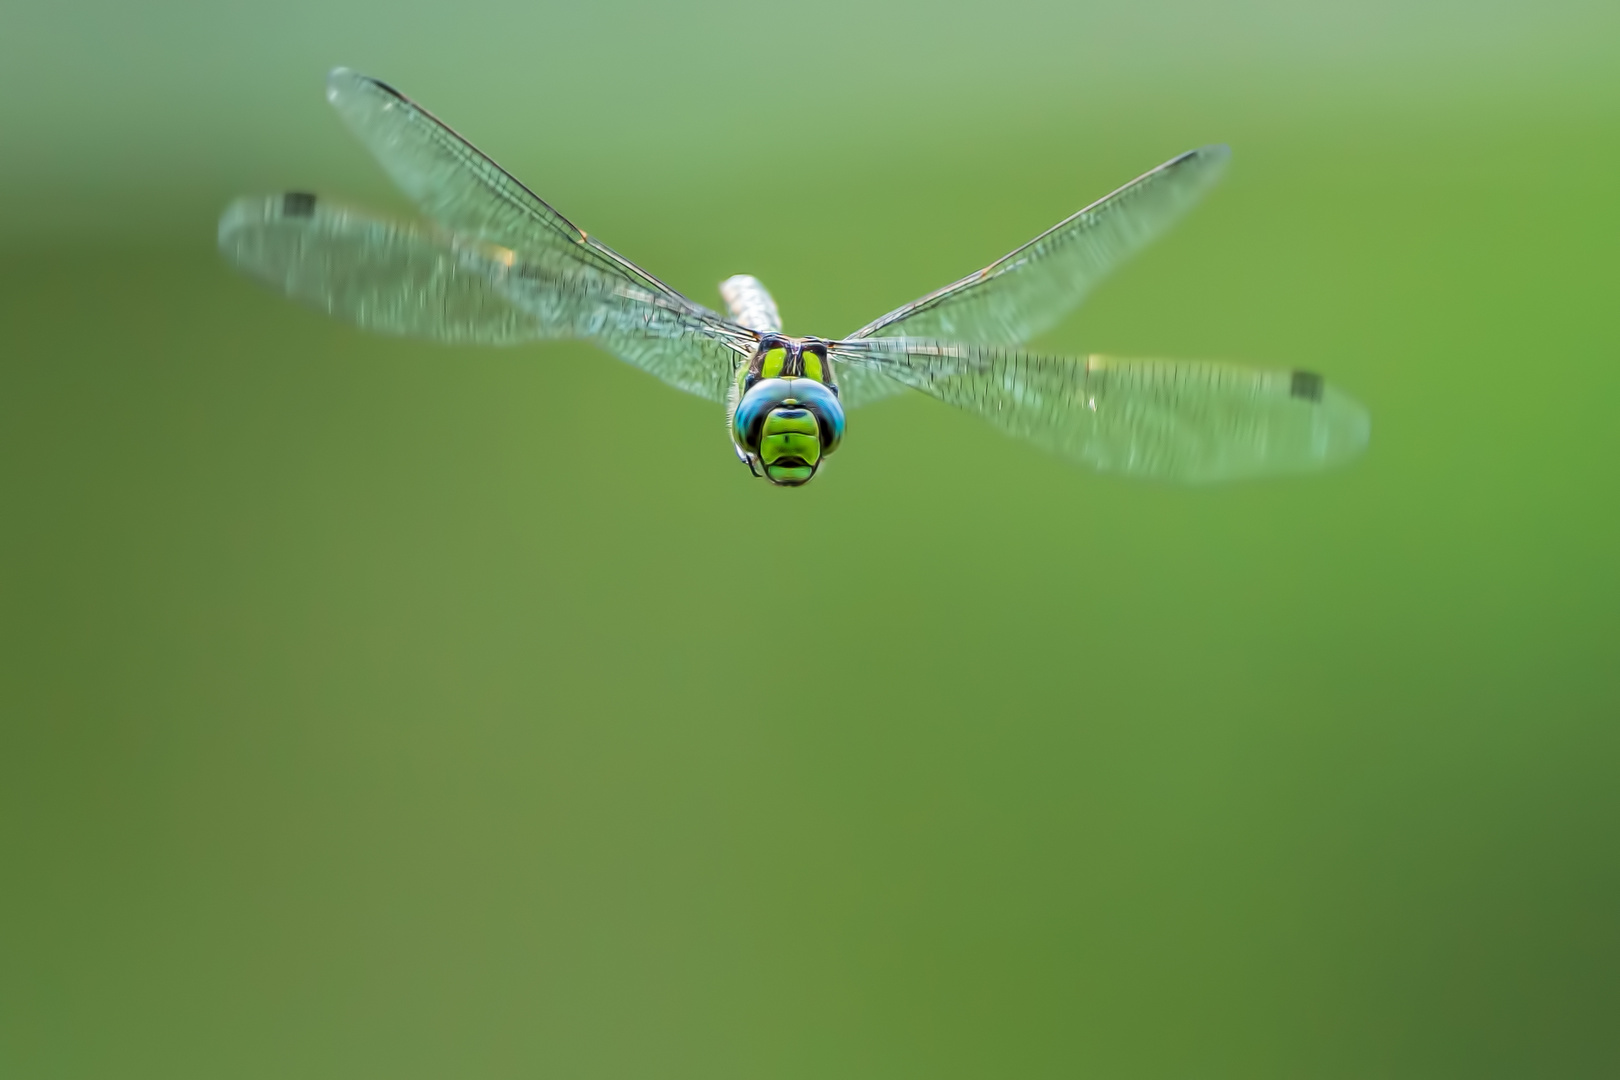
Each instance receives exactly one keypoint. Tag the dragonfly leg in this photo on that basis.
(747, 459)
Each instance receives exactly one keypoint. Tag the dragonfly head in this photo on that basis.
(788, 416)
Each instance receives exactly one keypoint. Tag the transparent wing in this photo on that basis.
(395, 278)
(382, 276)
(464, 191)
(859, 386)
(1030, 289)
(1190, 422)
(693, 350)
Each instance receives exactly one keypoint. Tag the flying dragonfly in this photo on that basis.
(495, 264)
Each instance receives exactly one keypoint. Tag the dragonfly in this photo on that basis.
(494, 264)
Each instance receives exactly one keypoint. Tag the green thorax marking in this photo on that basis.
(781, 357)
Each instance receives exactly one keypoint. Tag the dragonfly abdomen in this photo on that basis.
(750, 305)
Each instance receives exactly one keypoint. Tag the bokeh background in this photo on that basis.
(378, 709)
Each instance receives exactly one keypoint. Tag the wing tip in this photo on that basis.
(1216, 154)
(240, 213)
(246, 213)
(1346, 426)
(338, 82)
(1210, 161)
(344, 82)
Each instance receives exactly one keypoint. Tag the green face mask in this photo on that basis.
(790, 445)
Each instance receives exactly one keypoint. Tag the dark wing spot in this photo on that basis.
(298, 204)
(1307, 385)
(385, 88)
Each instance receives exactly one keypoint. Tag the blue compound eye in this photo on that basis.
(767, 395)
(762, 397)
(821, 400)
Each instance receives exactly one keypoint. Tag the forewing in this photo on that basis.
(1030, 289)
(1188, 422)
(395, 278)
(382, 276)
(465, 191)
(859, 386)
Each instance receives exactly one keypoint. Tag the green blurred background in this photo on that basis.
(372, 710)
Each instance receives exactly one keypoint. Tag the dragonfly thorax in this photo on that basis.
(788, 417)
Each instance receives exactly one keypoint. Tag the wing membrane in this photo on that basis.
(463, 190)
(386, 277)
(693, 351)
(1030, 289)
(1194, 422)
(859, 386)
(395, 278)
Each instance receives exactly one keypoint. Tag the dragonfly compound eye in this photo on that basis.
(789, 425)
